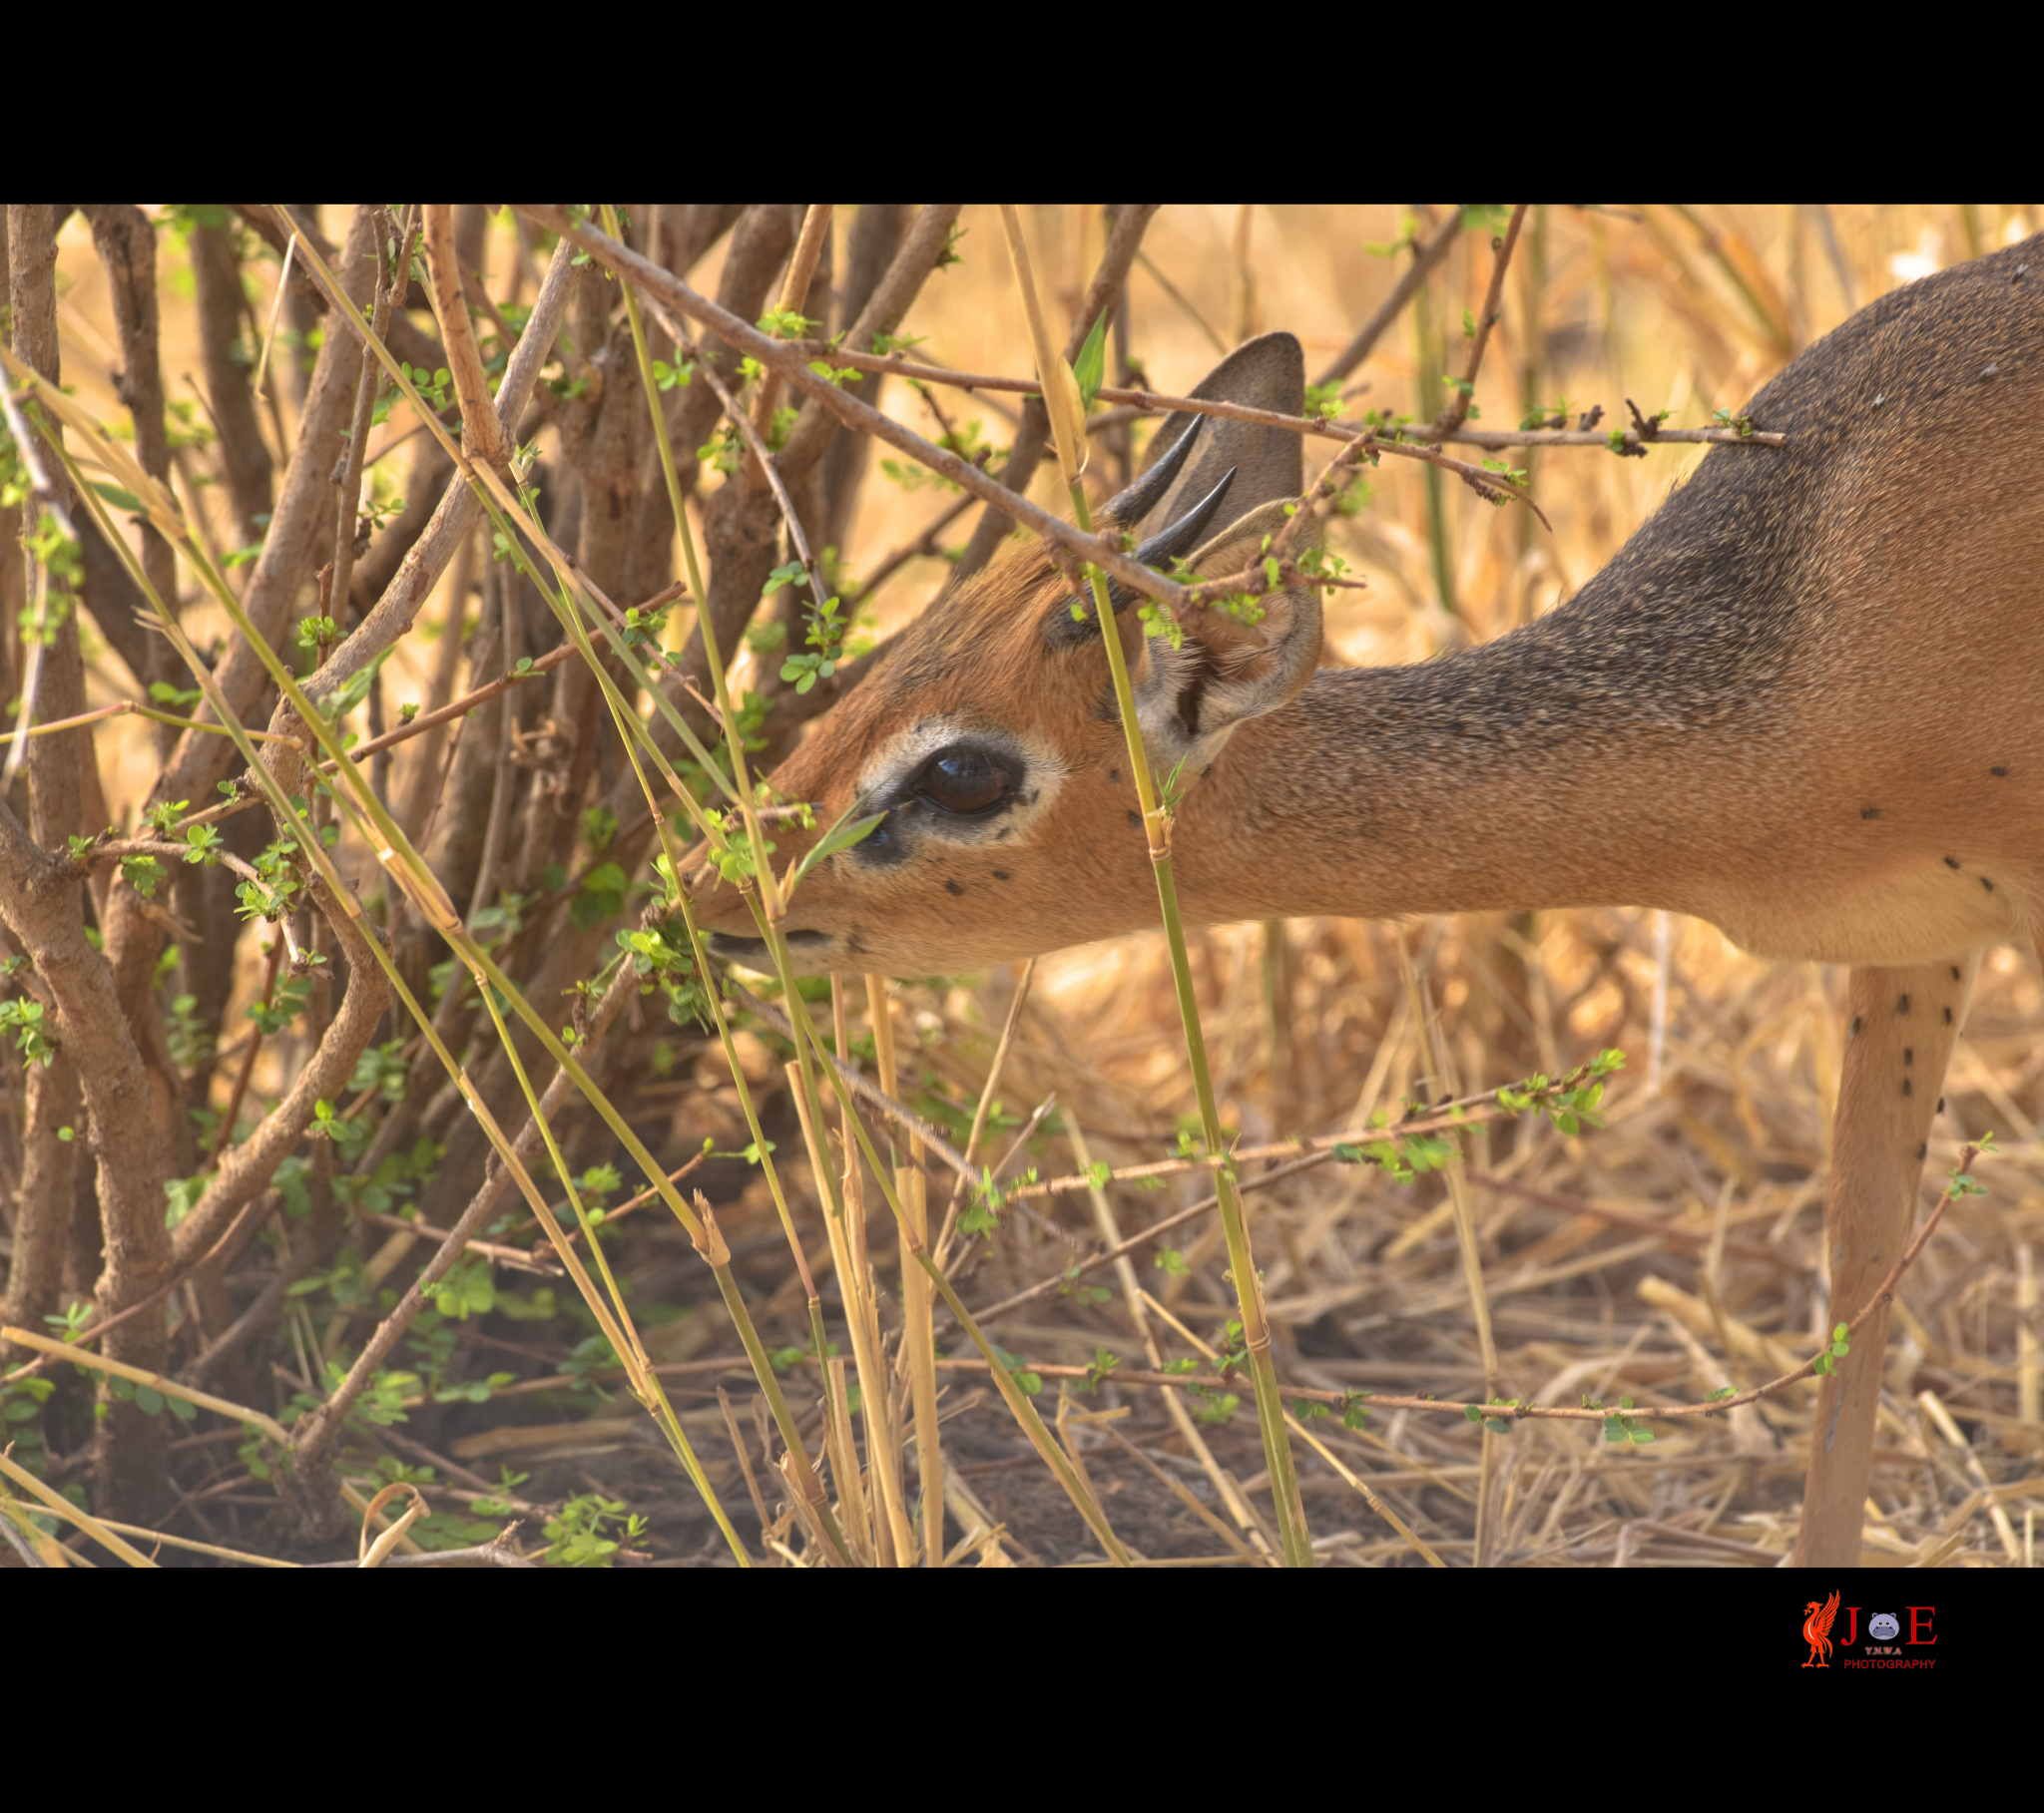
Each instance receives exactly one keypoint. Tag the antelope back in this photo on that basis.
(987, 730)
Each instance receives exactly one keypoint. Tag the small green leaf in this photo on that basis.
(841, 836)
(355, 690)
(1091, 364)
(121, 499)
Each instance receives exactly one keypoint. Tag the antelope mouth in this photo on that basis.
(751, 953)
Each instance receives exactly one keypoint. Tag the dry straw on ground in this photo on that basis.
(1674, 1253)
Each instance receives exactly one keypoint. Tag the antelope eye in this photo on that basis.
(963, 780)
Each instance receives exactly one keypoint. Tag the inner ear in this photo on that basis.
(1229, 665)
(1234, 639)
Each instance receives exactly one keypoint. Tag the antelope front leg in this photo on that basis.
(1900, 1027)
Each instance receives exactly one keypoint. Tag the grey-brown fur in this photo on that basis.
(1708, 614)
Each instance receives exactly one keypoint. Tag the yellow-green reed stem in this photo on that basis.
(769, 896)
(316, 856)
(768, 905)
(705, 626)
(1248, 1287)
(747, 1335)
(707, 976)
(410, 872)
(882, 1457)
(570, 607)
(1025, 1411)
(127, 707)
(919, 1332)
(1430, 356)
(655, 1401)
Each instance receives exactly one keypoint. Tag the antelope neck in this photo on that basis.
(1554, 767)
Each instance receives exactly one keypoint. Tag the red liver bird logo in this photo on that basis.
(1816, 1631)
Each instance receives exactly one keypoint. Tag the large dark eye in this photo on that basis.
(962, 780)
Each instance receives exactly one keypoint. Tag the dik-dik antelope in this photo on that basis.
(1798, 703)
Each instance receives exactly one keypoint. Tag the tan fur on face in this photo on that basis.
(1002, 890)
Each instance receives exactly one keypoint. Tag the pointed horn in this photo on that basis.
(1169, 543)
(1133, 504)
(1062, 631)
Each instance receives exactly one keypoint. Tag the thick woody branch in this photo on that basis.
(230, 403)
(390, 276)
(52, 689)
(39, 902)
(126, 241)
(398, 608)
(297, 531)
(776, 355)
(484, 433)
(802, 271)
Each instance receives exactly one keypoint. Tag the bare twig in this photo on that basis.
(926, 547)
(393, 612)
(1457, 411)
(1387, 311)
(1152, 402)
(1124, 240)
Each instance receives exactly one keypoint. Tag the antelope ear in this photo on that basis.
(1226, 669)
(1264, 373)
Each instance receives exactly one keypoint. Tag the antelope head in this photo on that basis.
(987, 730)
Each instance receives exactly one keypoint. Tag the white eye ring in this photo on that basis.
(1033, 773)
